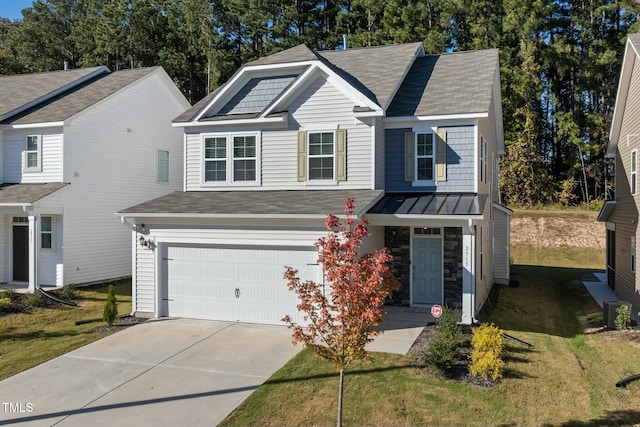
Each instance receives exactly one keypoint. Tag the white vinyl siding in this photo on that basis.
(111, 164)
(50, 157)
(319, 107)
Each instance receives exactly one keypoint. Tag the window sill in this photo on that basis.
(321, 182)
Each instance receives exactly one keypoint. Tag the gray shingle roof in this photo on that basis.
(451, 83)
(26, 193)
(375, 71)
(72, 102)
(291, 202)
(22, 89)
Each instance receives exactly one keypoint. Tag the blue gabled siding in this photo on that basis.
(460, 161)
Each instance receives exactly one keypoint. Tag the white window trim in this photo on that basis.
(634, 172)
(229, 182)
(38, 152)
(331, 181)
(52, 233)
(425, 182)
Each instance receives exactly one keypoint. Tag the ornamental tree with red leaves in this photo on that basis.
(341, 315)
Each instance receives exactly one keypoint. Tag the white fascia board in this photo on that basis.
(367, 114)
(34, 125)
(628, 60)
(258, 120)
(404, 120)
(497, 106)
(437, 121)
(61, 89)
(422, 220)
(220, 216)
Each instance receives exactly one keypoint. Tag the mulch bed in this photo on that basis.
(121, 324)
(460, 370)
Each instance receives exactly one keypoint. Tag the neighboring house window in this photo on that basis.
(32, 153)
(425, 157)
(231, 159)
(634, 171)
(46, 232)
(483, 160)
(633, 254)
(322, 155)
(163, 166)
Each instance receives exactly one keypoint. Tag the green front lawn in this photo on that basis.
(566, 378)
(28, 339)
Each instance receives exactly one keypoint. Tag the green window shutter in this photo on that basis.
(409, 157)
(302, 156)
(441, 155)
(341, 155)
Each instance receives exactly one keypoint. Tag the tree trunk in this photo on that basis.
(340, 393)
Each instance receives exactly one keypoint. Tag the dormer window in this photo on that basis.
(231, 159)
(32, 153)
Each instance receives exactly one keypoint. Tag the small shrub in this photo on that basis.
(67, 292)
(36, 299)
(4, 303)
(486, 352)
(623, 317)
(17, 302)
(444, 348)
(110, 307)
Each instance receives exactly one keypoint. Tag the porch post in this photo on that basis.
(33, 253)
(468, 275)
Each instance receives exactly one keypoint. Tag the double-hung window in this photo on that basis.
(231, 159)
(634, 171)
(424, 156)
(322, 156)
(46, 232)
(33, 153)
(425, 161)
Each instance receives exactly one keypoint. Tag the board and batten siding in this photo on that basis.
(321, 106)
(111, 164)
(460, 161)
(379, 146)
(625, 213)
(51, 156)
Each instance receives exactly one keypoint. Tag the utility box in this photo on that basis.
(611, 312)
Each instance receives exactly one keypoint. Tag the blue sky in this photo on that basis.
(11, 8)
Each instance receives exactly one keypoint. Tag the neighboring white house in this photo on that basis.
(414, 138)
(75, 147)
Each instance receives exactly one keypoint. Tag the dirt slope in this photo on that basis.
(557, 229)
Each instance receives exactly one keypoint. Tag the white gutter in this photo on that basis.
(33, 125)
(257, 120)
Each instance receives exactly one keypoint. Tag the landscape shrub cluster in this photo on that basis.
(14, 302)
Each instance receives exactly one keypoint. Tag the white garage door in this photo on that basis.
(234, 283)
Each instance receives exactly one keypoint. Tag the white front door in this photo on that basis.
(234, 283)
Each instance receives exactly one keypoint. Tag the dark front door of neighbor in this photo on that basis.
(21, 254)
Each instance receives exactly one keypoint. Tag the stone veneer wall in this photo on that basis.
(398, 240)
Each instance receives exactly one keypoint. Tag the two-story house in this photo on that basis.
(414, 138)
(76, 146)
(621, 214)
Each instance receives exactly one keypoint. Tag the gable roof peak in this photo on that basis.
(297, 53)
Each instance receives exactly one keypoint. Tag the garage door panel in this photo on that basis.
(234, 283)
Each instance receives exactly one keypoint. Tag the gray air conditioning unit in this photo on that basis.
(611, 312)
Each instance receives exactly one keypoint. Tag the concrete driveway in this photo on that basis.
(167, 372)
